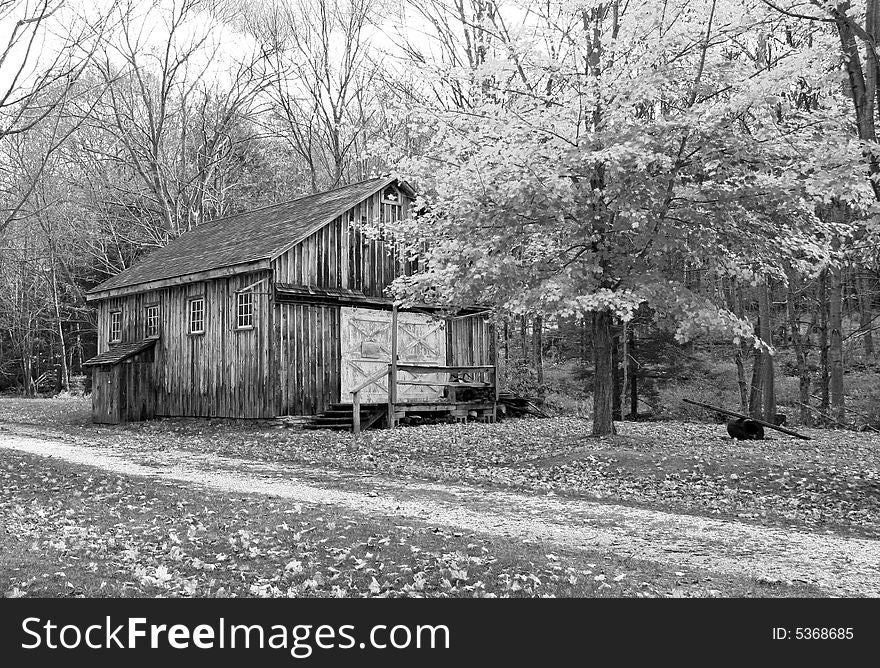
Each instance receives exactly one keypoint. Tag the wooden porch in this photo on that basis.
(467, 391)
(413, 379)
(480, 380)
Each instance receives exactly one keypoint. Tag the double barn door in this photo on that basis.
(366, 348)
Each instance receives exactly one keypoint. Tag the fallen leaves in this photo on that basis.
(830, 483)
(136, 537)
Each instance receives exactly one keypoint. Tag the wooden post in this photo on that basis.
(392, 369)
(356, 412)
(494, 375)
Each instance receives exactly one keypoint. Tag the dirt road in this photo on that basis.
(841, 566)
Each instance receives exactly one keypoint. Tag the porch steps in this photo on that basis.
(339, 417)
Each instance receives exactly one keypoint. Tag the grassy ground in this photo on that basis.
(830, 484)
(76, 531)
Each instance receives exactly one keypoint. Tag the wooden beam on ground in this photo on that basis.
(747, 417)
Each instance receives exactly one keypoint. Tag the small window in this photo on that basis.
(152, 320)
(391, 195)
(115, 326)
(245, 310)
(197, 315)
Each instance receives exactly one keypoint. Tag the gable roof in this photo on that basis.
(122, 352)
(244, 238)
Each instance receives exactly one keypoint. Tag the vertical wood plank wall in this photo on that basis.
(469, 341)
(308, 358)
(307, 339)
(342, 255)
(222, 373)
(105, 394)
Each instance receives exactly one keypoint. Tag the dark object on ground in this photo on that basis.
(779, 419)
(639, 417)
(745, 430)
(746, 417)
(517, 406)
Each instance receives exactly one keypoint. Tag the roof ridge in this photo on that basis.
(248, 237)
(291, 201)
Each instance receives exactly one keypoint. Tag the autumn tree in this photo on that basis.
(656, 143)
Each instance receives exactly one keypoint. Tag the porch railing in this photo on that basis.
(477, 376)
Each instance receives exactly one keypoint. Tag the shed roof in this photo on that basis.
(260, 234)
(121, 352)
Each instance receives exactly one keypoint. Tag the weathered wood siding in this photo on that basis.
(306, 347)
(224, 372)
(290, 362)
(138, 395)
(342, 255)
(307, 358)
(105, 394)
(124, 392)
(469, 341)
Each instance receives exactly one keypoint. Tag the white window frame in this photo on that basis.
(152, 312)
(114, 335)
(245, 308)
(190, 311)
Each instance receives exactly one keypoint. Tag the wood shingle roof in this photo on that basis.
(244, 238)
(121, 352)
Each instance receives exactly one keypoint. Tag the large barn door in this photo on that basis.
(366, 348)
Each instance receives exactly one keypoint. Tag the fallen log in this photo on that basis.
(747, 417)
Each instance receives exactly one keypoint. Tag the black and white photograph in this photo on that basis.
(437, 299)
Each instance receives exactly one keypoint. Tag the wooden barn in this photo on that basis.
(283, 311)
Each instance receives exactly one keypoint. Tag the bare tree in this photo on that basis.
(324, 101)
(40, 63)
(173, 112)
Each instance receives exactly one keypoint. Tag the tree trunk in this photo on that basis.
(603, 381)
(755, 391)
(865, 314)
(59, 324)
(822, 290)
(862, 97)
(624, 364)
(27, 376)
(835, 349)
(616, 389)
(633, 374)
(768, 388)
(800, 353)
(740, 349)
(78, 349)
(538, 348)
(583, 329)
(524, 338)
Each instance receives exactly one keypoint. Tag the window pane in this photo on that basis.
(152, 320)
(115, 326)
(245, 310)
(197, 316)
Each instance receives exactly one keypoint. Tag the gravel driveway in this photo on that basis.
(839, 565)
